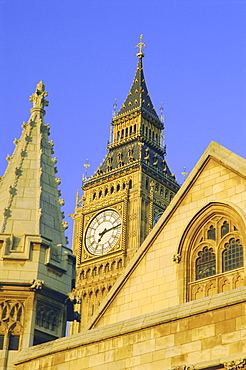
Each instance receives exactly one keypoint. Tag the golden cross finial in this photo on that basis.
(141, 45)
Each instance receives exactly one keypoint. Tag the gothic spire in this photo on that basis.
(138, 98)
(29, 195)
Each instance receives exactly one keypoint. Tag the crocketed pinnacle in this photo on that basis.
(138, 98)
(29, 195)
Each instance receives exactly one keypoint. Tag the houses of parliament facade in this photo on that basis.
(156, 275)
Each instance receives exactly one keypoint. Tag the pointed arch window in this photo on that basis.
(11, 318)
(232, 256)
(224, 229)
(211, 233)
(215, 247)
(205, 263)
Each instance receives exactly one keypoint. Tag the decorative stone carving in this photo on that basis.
(6, 212)
(164, 165)
(8, 158)
(155, 162)
(64, 225)
(146, 157)
(61, 201)
(47, 317)
(51, 143)
(120, 159)
(184, 367)
(37, 284)
(235, 365)
(176, 258)
(73, 298)
(12, 190)
(130, 155)
(38, 98)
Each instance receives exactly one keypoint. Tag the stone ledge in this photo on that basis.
(187, 309)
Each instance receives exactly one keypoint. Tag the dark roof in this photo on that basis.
(138, 98)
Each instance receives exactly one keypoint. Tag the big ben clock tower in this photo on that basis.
(124, 198)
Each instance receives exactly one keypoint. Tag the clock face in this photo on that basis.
(103, 232)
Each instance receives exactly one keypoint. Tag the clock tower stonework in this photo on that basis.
(123, 200)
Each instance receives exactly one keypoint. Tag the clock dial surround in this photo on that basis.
(103, 232)
(157, 219)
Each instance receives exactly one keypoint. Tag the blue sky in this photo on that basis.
(84, 51)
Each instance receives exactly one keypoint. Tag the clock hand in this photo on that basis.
(105, 231)
(101, 235)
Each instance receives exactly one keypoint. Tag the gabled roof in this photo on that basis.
(29, 195)
(221, 155)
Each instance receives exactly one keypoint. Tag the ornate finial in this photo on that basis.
(114, 108)
(38, 98)
(84, 177)
(161, 113)
(184, 173)
(141, 45)
(86, 165)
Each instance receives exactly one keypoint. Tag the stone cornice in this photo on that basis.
(170, 314)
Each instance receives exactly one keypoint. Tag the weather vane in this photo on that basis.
(141, 45)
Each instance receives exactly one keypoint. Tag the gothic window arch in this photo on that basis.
(205, 263)
(11, 318)
(232, 255)
(120, 264)
(213, 249)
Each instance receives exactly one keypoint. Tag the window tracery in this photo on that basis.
(11, 319)
(232, 256)
(205, 263)
(215, 255)
(47, 318)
